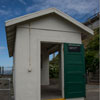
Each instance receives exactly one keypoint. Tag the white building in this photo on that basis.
(31, 38)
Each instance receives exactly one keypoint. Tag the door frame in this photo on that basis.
(62, 64)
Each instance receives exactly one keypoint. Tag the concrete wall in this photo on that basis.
(45, 66)
(27, 51)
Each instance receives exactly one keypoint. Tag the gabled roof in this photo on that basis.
(45, 12)
(11, 25)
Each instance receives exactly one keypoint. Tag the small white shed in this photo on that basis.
(31, 38)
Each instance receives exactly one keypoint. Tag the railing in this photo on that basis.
(90, 17)
(97, 14)
(5, 88)
(5, 70)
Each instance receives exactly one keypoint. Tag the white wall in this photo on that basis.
(27, 52)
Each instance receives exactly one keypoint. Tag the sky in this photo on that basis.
(78, 9)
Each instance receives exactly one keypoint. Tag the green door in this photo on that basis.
(74, 71)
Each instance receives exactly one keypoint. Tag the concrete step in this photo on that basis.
(96, 75)
(94, 81)
(95, 78)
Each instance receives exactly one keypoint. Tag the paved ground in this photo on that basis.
(50, 92)
(4, 95)
(4, 92)
(92, 92)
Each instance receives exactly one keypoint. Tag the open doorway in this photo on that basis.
(51, 71)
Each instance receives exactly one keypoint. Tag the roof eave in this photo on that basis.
(45, 12)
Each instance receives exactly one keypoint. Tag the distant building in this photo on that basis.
(93, 21)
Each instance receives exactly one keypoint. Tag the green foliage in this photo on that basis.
(92, 53)
(54, 67)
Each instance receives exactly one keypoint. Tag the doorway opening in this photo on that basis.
(51, 71)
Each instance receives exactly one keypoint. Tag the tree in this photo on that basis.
(54, 67)
(92, 53)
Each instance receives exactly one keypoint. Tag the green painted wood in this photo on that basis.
(74, 72)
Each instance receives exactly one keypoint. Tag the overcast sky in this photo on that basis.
(78, 9)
